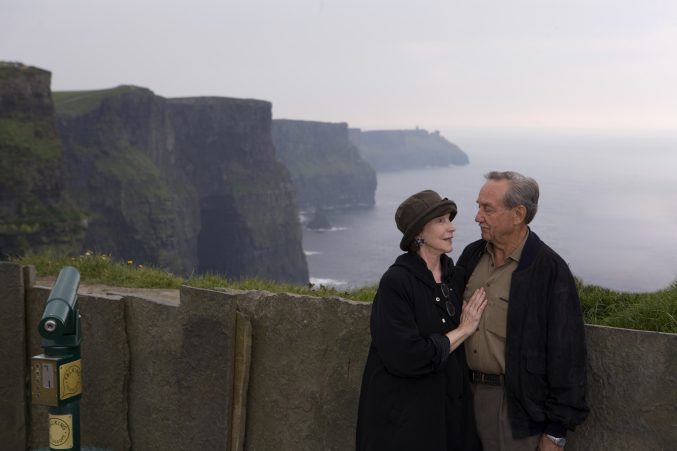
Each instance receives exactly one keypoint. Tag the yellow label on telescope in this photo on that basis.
(60, 431)
(70, 378)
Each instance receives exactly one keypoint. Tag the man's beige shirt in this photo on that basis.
(485, 349)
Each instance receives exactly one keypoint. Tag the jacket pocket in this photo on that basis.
(536, 363)
(535, 384)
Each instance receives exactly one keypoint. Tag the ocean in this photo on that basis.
(608, 206)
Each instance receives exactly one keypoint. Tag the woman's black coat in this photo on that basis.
(415, 395)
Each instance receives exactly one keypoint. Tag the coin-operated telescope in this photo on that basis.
(56, 375)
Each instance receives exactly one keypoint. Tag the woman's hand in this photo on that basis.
(470, 319)
(472, 311)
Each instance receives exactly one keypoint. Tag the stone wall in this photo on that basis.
(13, 397)
(632, 391)
(307, 360)
(233, 370)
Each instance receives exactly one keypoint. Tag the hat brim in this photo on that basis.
(443, 207)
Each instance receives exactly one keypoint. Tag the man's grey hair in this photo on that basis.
(523, 191)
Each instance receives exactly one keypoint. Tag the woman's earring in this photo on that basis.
(419, 242)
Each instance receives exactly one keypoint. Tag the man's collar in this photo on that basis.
(515, 254)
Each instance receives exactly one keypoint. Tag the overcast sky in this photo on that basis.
(372, 63)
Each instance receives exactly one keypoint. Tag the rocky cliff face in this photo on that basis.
(249, 216)
(34, 211)
(393, 150)
(121, 166)
(187, 184)
(184, 184)
(325, 166)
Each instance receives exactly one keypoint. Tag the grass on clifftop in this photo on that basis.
(643, 311)
(655, 311)
(81, 102)
(101, 269)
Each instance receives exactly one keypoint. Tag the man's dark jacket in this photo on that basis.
(415, 395)
(545, 353)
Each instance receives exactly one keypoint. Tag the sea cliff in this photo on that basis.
(248, 213)
(188, 185)
(394, 150)
(325, 166)
(35, 211)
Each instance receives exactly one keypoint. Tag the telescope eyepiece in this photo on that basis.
(50, 325)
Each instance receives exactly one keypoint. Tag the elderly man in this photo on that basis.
(527, 358)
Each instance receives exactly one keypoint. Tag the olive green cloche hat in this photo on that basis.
(417, 210)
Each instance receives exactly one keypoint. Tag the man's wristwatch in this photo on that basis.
(559, 441)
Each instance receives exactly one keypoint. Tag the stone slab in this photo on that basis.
(105, 369)
(181, 383)
(154, 339)
(308, 355)
(206, 365)
(13, 375)
(632, 391)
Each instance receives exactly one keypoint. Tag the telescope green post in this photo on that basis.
(56, 378)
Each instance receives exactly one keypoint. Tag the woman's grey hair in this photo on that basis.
(523, 191)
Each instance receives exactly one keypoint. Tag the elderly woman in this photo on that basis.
(415, 388)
